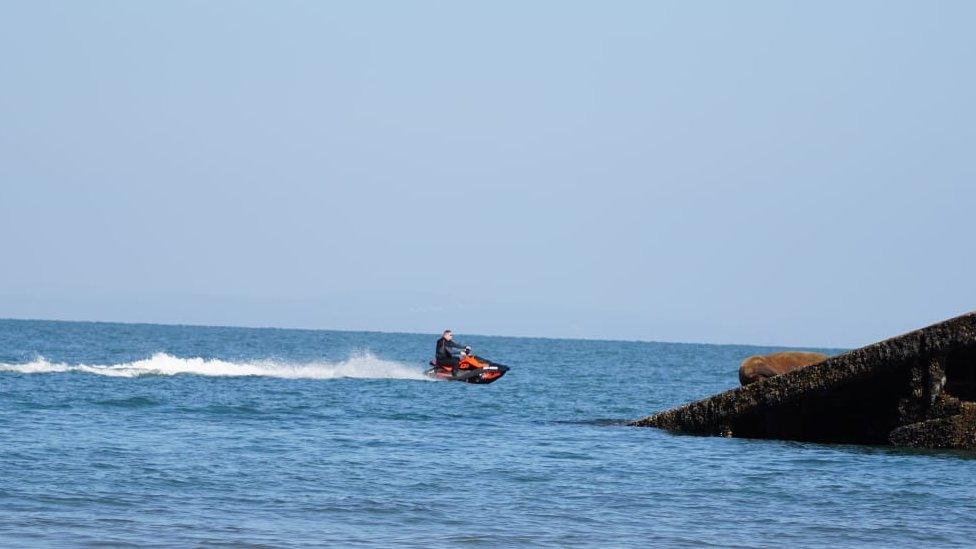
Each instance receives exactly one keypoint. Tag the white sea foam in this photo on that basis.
(361, 365)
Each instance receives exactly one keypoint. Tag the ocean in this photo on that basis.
(175, 436)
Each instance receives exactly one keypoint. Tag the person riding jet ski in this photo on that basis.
(455, 362)
(448, 353)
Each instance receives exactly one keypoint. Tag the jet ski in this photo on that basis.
(471, 369)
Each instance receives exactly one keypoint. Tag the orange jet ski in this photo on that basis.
(470, 369)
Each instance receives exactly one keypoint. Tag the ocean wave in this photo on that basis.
(360, 366)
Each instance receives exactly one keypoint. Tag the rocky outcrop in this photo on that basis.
(917, 389)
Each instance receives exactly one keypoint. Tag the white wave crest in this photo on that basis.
(361, 365)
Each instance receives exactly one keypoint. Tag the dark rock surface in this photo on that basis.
(917, 389)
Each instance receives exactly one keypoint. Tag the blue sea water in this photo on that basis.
(146, 435)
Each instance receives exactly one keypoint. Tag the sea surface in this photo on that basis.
(160, 436)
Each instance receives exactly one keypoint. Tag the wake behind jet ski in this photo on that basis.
(454, 362)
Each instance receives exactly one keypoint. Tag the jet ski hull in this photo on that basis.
(485, 372)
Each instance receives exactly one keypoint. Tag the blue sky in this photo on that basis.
(749, 172)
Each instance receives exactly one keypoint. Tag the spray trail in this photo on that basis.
(361, 365)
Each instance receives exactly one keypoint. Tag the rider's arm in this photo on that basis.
(455, 347)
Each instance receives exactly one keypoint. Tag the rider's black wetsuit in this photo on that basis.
(446, 354)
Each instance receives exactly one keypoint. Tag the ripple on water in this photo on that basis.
(128, 402)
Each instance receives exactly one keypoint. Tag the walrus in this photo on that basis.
(759, 367)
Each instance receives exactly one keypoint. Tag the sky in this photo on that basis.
(777, 173)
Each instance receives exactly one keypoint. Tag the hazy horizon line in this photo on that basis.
(397, 332)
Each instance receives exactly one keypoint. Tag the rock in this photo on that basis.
(917, 389)
(759, 367)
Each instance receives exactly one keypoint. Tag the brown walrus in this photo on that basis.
(759, 367)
